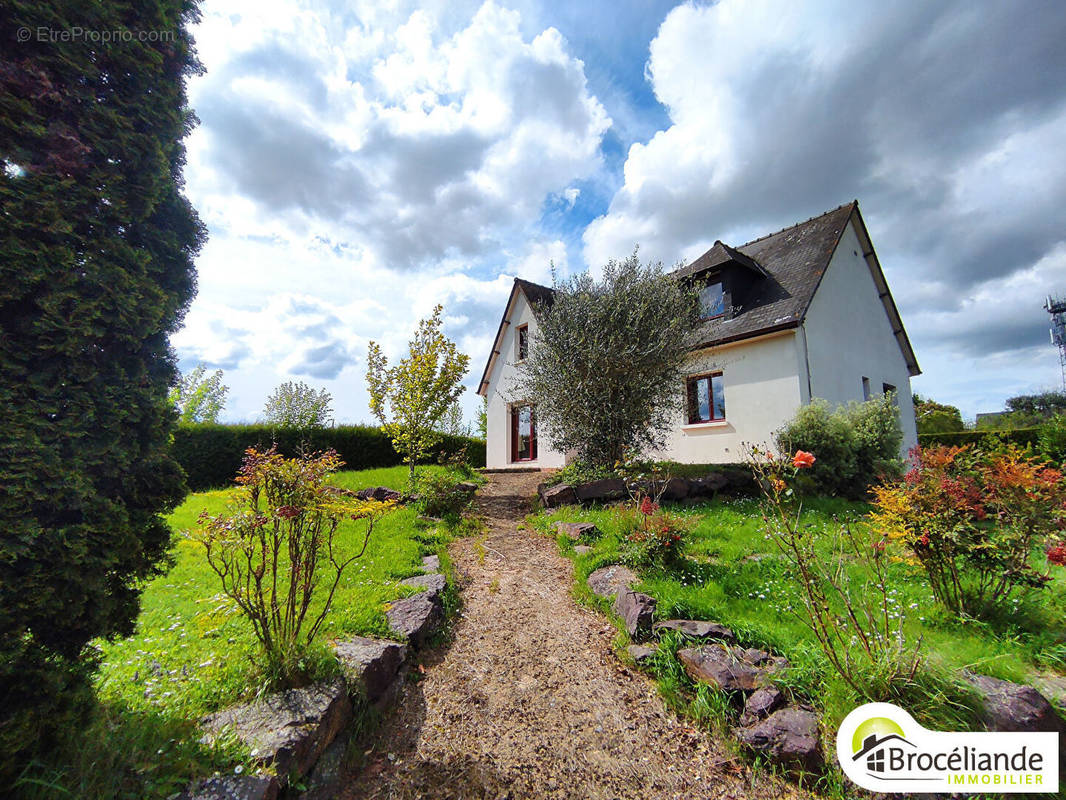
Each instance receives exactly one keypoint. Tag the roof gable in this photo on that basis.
(536, 295)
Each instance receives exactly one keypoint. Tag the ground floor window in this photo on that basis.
(706, 398)
(523, 433)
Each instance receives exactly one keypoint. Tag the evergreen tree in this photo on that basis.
(96, 269)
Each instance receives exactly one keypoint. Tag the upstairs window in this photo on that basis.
(706, 398)
(523, 342)
(712, 300)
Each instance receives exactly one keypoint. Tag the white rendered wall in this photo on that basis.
(500, 382)
(849, 336)
(764, 383)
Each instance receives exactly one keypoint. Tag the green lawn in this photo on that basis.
(193, 653)
(734, 575)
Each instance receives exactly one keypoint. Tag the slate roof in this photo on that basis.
(794, 260)
(790, 264)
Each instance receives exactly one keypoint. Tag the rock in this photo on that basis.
(561, 494)
(718, 667)
(642, 653)
(578, 530)
(415, 617)
(380, 493)
(234, 787)
(708, 485)
(582, 549)
(755, 656)
(369, 666)
(467, 487)
(289, 729)
(760, 704)
(601, 491)
(326, 779)
(431, 563)
(1014, 707)
(789, 737)
(433, 583)
(697, 629)
(675, 489)
(636, 610)
(606, 581)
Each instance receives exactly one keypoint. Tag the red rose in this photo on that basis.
(803, 459)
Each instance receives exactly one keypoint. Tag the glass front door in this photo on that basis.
(523, 433)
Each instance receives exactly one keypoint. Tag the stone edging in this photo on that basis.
(788, 735)
(298, 732)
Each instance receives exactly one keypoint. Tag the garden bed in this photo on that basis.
(731, 573)
(192, 653)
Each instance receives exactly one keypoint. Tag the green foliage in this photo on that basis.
(651, 537)
(977, 521)
(211, 455)
(268, 546)
(451, 421)
(933, 417)
(1044, 404)
(441, 494)
(193, 653)
(199, 397)
(294, 404)
(97, 246)
(579, 471)
(483, 418)
(1023, 437)
(1051, 439)
(410, 398)
(855, 444)
(606, 366)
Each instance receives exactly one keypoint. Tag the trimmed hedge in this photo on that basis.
(1018, 436)
(211, 454)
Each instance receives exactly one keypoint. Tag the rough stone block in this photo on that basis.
(433, 583)
(415, 617)
(760, 704)
(289, 729)
(234, 787)
(789, 737)
(369, 665)
(697, 629)
(578, 530)
(606, 581)
(601, 491)
(431, 563)
(559, 495)
(636, 610)
(641, 653)
(718, 667)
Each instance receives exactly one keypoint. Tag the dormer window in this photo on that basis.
(523, 342)
(712, 300)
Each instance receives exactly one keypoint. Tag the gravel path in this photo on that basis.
(528, 700)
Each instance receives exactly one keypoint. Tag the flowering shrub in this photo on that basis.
(975, 520)
(860, 628)
(269, 547)
(651, 537)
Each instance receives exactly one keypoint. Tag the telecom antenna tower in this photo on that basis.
(1057, 309)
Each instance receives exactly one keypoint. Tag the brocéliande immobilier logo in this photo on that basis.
(881, 748)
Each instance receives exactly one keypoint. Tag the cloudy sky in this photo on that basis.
(357, 163)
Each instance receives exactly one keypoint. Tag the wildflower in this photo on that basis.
(803, 459)
(647, 507)
(778, 484)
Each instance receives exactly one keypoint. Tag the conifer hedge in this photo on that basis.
(211, 454)
(96, 269)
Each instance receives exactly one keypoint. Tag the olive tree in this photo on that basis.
(411, 398)
(606, 366)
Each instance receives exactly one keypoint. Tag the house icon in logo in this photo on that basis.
(869, 740)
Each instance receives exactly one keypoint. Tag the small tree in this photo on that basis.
(410, 398)
(294, 404)
(605, 368)
(269, 547)
(199, 397)
(933, 417)
(451, 421)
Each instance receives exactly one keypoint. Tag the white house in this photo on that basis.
(798, 314)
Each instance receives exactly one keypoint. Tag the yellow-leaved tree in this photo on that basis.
(410, 398)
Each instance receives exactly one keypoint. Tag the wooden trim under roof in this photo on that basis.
(534, 293)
